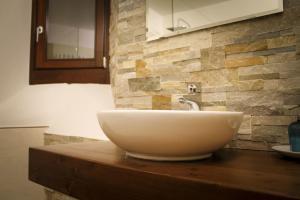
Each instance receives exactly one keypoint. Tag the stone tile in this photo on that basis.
(239, 56)
(247, 144)
(271, 84)
(255, 110)
(245, 128)
(270, 134)
(255, 102)
(283, 41)
(141, 69)
(221, 77)
(161, 102)
(285, 70)
(297, 32)
(226, 88)
(189, 65)
(214, 97)
(212, 58)
(244, 137)
(273, 120)
(140, 102)
(214, 108)
(128, 64)
(268, 34)
(291, 100)
(282, 57)
(291, 110)
(179, 76)
(213, 104)
(126, 37)
(167, 52)
(255, 98)
(275, 51)
(144, 84)
(259, 77)
(121, 88)
(269, 76)
(246, 47)
(245, 62)
(52, 139)
(289, 84)
(126, 70)
(250, 85)
(129, 50)
(230, 33)
(174, 87)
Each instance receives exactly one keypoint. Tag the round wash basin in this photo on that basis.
(170, 135)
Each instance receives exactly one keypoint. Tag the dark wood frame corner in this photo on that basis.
(76, 74)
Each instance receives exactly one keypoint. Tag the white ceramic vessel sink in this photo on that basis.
(169, 135)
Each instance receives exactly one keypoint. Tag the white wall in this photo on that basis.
(66, 109)
(14, 183)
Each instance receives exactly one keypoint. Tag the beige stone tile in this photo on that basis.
(283, 41)
(246, 47)
(282, 57)
(245, 62)
(160, 102)
(245, 128)
(220, 77)
(273, 120)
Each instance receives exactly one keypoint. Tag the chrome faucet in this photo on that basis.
(192, 105)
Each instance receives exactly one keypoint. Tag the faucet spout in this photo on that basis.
(192, 105)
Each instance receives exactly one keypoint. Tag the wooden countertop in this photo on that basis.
(99, 170)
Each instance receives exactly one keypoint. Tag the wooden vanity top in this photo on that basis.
(99, 170)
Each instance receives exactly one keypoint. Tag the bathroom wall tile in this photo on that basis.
(189, 65)
(137, 102)
(245, 62)
(141, 69)
(128, 64)
(160, 102)
(144, 84)
(291, 99)
(282, 57)
(297, 32)
(273, 120)
(250, 66)
(126, 70)
(222, 77)
(250, 85)
(275, 51)
(267, 76)
(283, 41)
(270, 134)
(245, 128)
(173, 87)
(212, 58)
(246, 47)
(250, 144)
(214, 97)
(214, 108)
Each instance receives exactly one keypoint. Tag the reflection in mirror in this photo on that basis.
(70, 29)
(171, 17)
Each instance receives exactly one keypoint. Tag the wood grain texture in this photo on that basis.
(99, 170)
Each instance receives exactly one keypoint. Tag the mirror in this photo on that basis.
(171, 17)
(70, 29)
